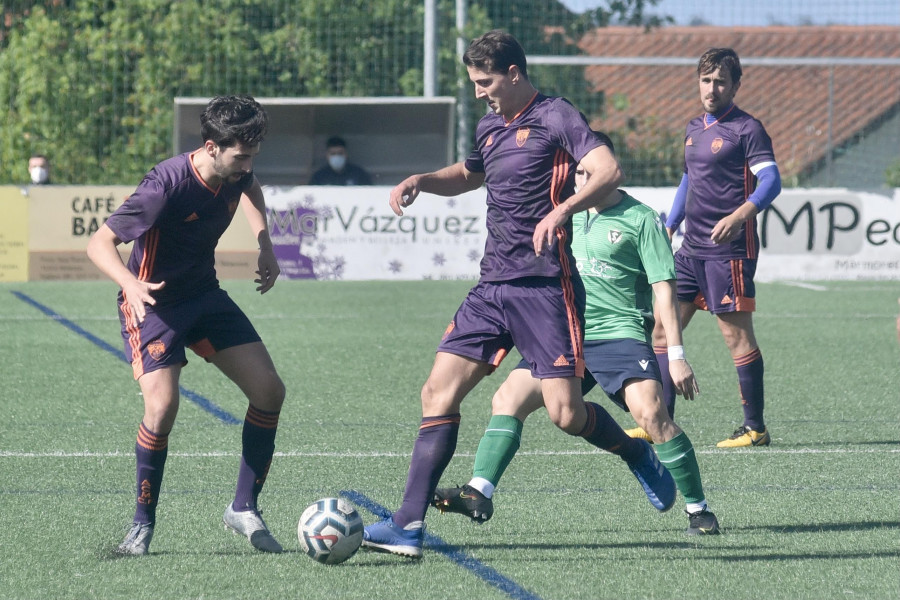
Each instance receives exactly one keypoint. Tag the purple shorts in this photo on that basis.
(206, 324)
(542, 317)
(719, 286)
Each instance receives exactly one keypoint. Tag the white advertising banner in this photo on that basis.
(819, 234)
(831, 234)
(352, 233)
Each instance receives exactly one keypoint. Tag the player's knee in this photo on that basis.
(647, 414)
(503, 403)
(571, 427)
(159, 417)
(566, 420)
(739, 343)
(269, 393)
(278, 391)
(655, 420)
(436, 401)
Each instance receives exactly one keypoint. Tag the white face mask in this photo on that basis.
(337, 162)
(38, 175)
(583, 178)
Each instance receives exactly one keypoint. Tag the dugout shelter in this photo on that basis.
(390, 137)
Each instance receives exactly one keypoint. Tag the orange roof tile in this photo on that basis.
(791, 101)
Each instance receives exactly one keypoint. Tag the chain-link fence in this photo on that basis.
(91, 83)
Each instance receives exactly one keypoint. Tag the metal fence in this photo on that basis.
(91, 82)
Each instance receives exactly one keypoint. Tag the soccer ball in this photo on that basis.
(330, 531)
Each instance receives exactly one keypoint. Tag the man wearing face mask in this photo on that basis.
(339, 171)
(39, 169)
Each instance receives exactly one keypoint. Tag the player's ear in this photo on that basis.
(211, 148)
(514, 74)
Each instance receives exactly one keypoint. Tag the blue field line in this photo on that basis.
(454, 553)
(194, 397)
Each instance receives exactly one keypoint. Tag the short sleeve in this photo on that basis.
(655, 249)
(139, 212)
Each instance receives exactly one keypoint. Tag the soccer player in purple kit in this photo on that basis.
(170, 299)
(529, 294)
(625, 260)
(730, 175)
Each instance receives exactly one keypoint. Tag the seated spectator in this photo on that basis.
(39, 169)
(339, 171)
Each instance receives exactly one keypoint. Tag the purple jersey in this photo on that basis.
(717, 160)
(529, 166)
(175, 220)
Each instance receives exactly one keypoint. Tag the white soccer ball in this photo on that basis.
(330, 531)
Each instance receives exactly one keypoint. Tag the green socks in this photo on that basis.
(678, 457)
(497, 447)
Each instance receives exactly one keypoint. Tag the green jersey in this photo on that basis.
(620, 253)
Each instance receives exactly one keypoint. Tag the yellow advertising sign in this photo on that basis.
(61, 220)
(13, 235)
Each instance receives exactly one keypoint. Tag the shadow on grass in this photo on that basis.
(360, 559)
(111, 553)
(817, 444)
(784, 556)
(822, 527)
(716, 553)
(570, 546)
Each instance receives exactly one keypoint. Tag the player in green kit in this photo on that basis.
(624, 257)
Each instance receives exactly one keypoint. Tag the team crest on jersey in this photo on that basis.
(156, 349)
(716, 145)
(522, 135)
(490, 140)
(614, 236)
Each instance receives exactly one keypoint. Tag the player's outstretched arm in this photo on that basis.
(666, 309)
(449, 181)
(254, 204)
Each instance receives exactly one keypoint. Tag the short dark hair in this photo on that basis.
(335, 140)
(495, 52)
(230, 120)
(720, 58)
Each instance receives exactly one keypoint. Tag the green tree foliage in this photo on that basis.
(91, 83)
(892, 174)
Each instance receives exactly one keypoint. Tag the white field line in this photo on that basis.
(806, 286)
(130, 455)
(767, 316)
